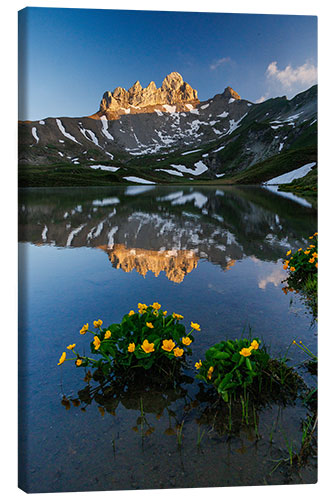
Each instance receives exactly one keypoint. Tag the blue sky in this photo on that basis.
(70, 57)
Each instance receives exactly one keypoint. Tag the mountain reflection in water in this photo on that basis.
(166, 229)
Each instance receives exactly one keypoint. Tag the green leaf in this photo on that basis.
(248, 364)
(221, 355)
(225, 396)
(226, 379)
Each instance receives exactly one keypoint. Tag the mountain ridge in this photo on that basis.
(167, 134)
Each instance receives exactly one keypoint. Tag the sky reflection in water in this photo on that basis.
(213, 255)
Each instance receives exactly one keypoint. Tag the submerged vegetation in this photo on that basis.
(140, 363)
(241, 370)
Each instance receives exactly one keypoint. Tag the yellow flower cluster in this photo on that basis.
(309, 251)
(246, 351)
(168, 345)
(142, 308)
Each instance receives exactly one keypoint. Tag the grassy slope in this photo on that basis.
(274, 166)
(303, 150)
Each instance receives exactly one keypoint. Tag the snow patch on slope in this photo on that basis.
(66, 134)
(104, 167)
(200, 168)
(290, 176)
(34, 133)
(105, 123)
(138, 180)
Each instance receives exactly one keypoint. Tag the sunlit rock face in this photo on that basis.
(175, 263)
(173, 91)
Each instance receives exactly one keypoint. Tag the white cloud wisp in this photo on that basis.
(290, 77)
(219, 62)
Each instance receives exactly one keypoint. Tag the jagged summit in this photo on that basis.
(173, 91)
(230, 93)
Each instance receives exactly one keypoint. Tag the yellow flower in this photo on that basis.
(131, 313)
(285, 266)
(178, 352)
(168, 345)
(315, 255)
(286, 262)
(315, 234)
(195, 326)
(98, 323)
(294, 342)
(289, 252)
(246, 351)
(312, 246)
(177, 316)
(317, 265)
(156, 306)
(107, 334)
(71, 346)
(150, 325)
(147, 347)
(198, 364)
(186, 341)
(306, 252)
(142, 307)
(165, 313)
(62, 358)
(310, 237)
(209, 373)
(311, 260)
(84, 329)
(292, 269)
(155, 312)
(131, 347)
(97, 342)
(300, 249)
(78, 362)
(254, 345)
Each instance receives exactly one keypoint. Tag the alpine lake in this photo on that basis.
(214, 255)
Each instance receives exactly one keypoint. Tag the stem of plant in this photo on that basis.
(180, 434)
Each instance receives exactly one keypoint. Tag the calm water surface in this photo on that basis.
(213, 255)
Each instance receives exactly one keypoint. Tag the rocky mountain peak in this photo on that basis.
(173, 81)
(173, 91)
(230, 93)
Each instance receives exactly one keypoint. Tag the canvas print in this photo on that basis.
(168, 249)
